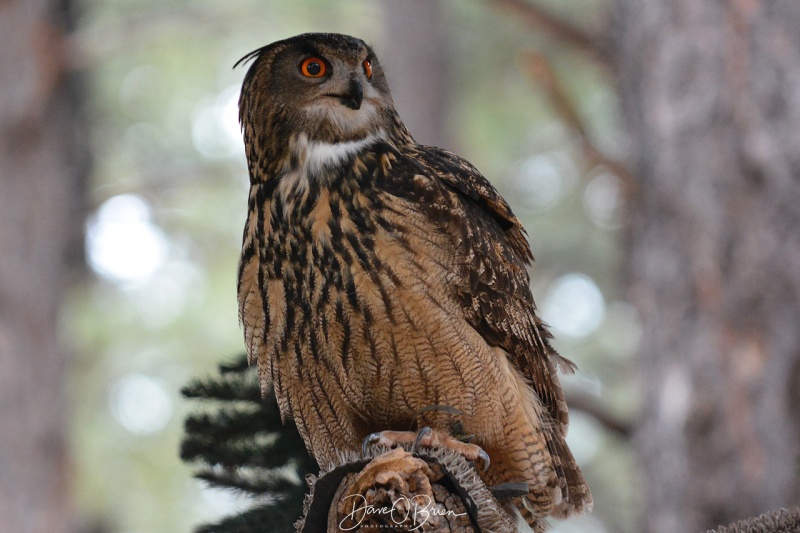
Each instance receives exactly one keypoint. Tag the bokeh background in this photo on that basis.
(134, 105)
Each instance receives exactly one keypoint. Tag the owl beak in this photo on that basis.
(354, 95)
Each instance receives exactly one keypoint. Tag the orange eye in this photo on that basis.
(367, 69)
(313, 67)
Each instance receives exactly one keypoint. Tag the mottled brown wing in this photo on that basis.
(496, 295)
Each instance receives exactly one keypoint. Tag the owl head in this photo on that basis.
(315, 87)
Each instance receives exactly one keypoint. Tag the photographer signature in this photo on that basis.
(418, 509)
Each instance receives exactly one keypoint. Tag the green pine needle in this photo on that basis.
(239, 443)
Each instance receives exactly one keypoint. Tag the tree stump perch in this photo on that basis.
(395, 490)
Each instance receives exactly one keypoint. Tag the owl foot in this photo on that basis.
(426, 437)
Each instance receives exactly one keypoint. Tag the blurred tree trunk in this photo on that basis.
(711, 93)
(417, 61)
(44, 164)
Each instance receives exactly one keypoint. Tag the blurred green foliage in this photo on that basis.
(164, 134)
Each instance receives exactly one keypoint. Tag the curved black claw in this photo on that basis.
(370, 439)
(485, 458)
(421, 434)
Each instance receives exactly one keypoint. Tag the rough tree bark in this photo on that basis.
(41, 180)
(711, 93)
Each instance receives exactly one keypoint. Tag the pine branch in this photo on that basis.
(239, 443)
(224, 389)
(231, 423)
(241, 453)
(240, 364)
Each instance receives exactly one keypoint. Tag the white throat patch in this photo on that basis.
(319, 155)
(314, 157)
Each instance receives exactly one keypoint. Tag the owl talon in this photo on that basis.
(368, 441)
(427, 438)
(484, 457)
(423, 434)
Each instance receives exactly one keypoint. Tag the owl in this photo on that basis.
(383, 286)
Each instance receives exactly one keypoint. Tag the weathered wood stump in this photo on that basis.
(396, 490)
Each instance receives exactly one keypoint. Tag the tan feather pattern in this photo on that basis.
(388, 278)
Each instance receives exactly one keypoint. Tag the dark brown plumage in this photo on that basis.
(379, 277)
